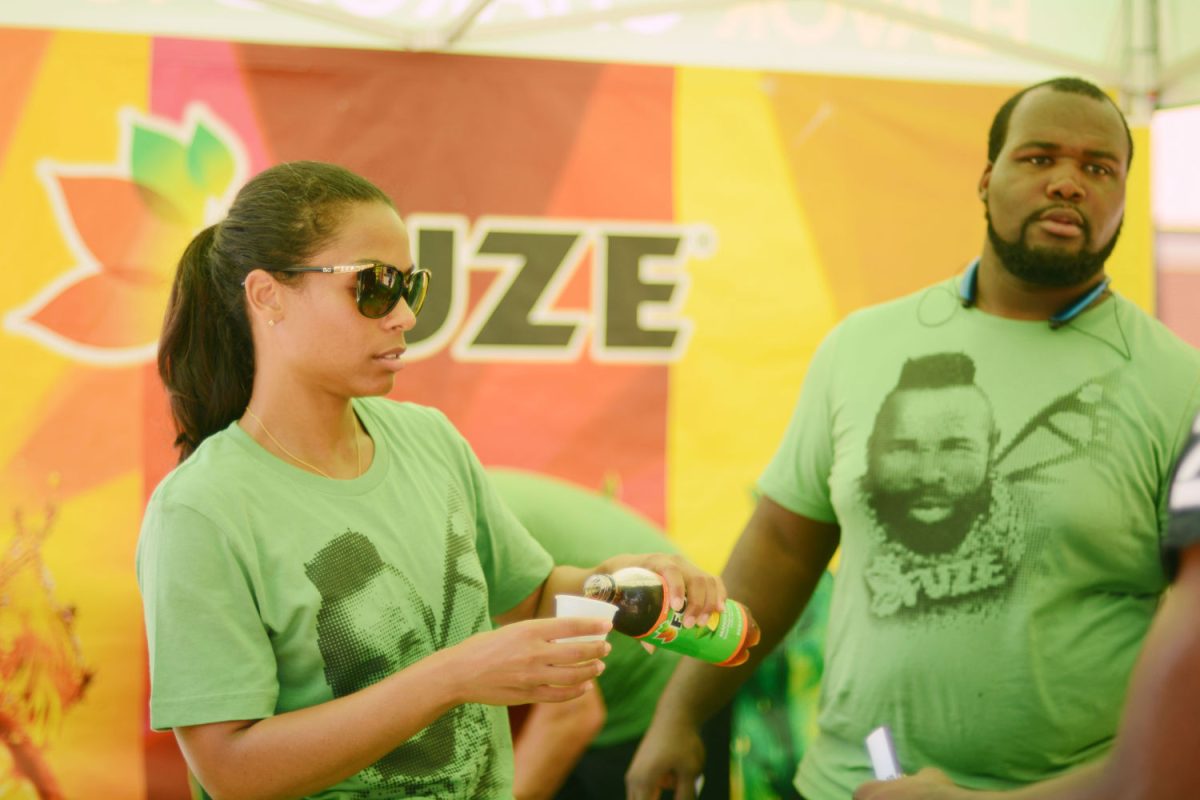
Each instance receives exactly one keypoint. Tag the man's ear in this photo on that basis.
(264, 298)
(984, 180)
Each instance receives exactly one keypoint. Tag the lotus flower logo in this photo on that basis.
(126, 225)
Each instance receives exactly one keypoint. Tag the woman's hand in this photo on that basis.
(522, 662)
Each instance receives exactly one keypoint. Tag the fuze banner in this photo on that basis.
(631, 268)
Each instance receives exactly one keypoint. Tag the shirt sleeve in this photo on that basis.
(1183, 522)
(797, 477)
(211, 659)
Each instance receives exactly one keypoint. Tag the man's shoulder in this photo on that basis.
(943, 293)
(1151, 333)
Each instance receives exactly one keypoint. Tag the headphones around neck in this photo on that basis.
(970, 287)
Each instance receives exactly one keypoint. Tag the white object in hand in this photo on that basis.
(570, 605)
(882, 751)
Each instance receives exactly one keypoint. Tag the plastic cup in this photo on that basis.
(570, 605)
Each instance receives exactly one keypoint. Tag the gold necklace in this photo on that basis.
(298, 460)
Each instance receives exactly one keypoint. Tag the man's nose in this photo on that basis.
(1065, 186)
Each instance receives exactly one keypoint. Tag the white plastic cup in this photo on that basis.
(570, 605)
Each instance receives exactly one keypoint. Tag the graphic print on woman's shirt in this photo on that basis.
(373, 622)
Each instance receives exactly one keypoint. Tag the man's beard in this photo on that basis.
(892, 509)
(1046, 266)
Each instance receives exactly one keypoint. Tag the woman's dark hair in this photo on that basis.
(280, 218)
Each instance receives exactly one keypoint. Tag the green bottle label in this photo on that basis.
(717, 641)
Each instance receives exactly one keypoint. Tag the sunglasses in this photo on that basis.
(380, 286)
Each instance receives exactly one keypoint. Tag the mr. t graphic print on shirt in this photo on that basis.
(951, 520)
(373, 622)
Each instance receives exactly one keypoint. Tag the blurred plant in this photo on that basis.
(775, 711)
(42, 670)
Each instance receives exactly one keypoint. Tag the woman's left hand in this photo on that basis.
(704, 593)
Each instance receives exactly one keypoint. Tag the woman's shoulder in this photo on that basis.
(219, 467)
(406, 416)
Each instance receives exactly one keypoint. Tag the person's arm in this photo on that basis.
(551, 741)
(773, 570)
(301, 752)
(1155, 754)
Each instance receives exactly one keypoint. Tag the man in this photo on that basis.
(1154, 757)
(1091, 399)
(579, 750)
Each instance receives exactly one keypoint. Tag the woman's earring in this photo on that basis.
(270, 323)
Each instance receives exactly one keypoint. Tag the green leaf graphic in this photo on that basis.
(210, 163)
(159, 162)
(185, 175)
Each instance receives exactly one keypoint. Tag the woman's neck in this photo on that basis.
(317, 432)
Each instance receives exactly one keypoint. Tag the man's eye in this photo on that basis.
(1098, 169)
(1038, 160)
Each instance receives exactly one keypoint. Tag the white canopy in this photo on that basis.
(1147, 49)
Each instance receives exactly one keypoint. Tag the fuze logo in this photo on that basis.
(637, 288)
(125, 225)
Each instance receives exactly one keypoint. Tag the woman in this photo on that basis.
(321, 571)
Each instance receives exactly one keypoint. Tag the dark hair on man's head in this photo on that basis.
(934, 371)
(937, 371)
(279, 219)
(999, 130)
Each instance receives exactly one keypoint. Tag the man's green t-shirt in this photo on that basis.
(269, 589)
(1001, 492)
(581, 528)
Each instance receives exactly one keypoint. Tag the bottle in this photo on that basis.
(644, 612)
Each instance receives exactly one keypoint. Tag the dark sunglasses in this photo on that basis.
(380, 286)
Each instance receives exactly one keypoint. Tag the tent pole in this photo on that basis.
(456, 29)
(402, 38)
(1139, 94)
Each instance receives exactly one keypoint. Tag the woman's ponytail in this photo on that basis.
(205, 354)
